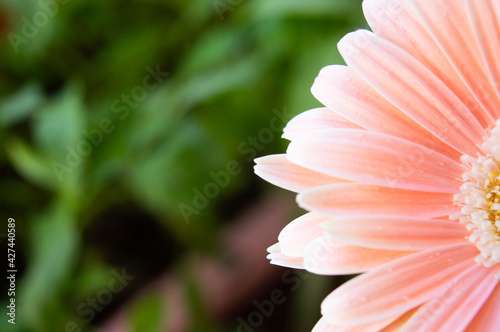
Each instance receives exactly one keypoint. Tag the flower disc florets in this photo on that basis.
(480, 200)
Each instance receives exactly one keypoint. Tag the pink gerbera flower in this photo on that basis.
(401, 171)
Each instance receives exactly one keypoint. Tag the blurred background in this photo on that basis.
(128, 130)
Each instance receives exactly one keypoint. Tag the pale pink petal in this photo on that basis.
(398, 22)
(344, 91)
(278, 258)
(399, 323)
(396, 233)
(399, 286)
(347, 199)
(414, 89)
(315, 119)
(488, 316)
(327, 255)
(281, 172)
(295, 237)
(448, 24)
(375, 158)
(457, 305)
(324, 326)
(485, 20)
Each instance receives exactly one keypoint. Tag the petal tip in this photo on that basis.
(275, 248)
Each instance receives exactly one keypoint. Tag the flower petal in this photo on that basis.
(456, 306)
(347, 199)
(329, 256)
(488, 314)
(398, 324)
(281, 172)
(315, 119)
(485, 21)
(324, 326)
(399, 286)
(344, 91)
(278, 258)
(393, 233)
(375, 158)
(398, 22)
(414, 89)
(448, 24)
(298, 234)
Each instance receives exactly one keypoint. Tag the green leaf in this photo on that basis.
(59, 125)
(223, 79)
(60, 137)
(54, 241)
(30, 164)
(213, 48)
(18, 106)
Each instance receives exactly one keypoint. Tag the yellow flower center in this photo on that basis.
(493, 198)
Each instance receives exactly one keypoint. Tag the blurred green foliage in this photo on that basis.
(62, 88)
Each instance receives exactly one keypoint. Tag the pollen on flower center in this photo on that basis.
(480, 200)
(493, 198)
